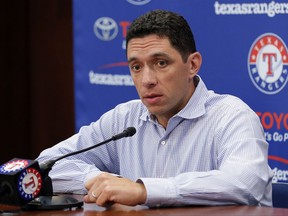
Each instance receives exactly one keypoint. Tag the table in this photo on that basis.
(94, 210)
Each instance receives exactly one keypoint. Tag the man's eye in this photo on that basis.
(135, 67)
(162, 63)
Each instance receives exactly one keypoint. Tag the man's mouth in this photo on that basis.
(152, 98)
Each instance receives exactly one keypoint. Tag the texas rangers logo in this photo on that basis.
(13, 166)
(268, 63)
(29, 184)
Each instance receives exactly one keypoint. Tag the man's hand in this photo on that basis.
(106, 189)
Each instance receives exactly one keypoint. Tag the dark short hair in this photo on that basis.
(164, 24)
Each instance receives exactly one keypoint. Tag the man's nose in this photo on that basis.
(149, 77)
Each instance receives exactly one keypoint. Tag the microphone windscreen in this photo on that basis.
(130, 131)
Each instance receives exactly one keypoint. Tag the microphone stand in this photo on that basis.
(47, 200)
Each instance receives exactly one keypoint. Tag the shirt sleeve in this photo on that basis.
(242, 173)
(70, 174)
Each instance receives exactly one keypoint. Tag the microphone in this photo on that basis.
(20, 181)
(130, 131)
(24, 182)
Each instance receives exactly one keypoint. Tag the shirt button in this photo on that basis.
(163, 142)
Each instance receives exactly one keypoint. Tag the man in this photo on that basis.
(192, 146)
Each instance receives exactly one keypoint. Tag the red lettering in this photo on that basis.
(278, 119)
(269, 57)
(270, 123)
(268, 120)
(32, 182)
(124, 25)
(285, 121)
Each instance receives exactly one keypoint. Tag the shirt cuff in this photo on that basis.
(160, 191)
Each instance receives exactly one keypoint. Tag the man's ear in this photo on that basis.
(195, 60)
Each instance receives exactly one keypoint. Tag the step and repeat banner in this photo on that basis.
(244, 49)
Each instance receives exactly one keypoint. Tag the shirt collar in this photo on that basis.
(195, 106)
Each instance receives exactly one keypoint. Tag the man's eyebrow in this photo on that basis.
(161, 54)
(154, 55)
(131, 59)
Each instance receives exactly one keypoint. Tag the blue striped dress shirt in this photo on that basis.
(213, 152)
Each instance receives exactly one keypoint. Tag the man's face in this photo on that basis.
(163, 81)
